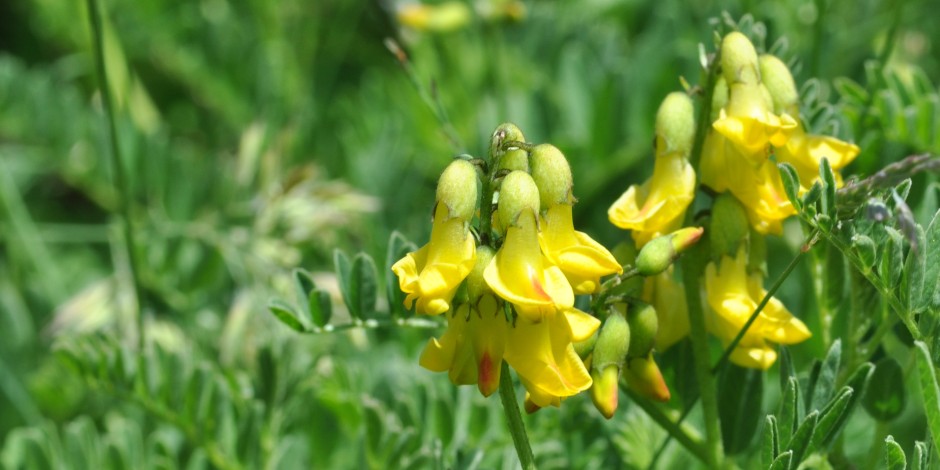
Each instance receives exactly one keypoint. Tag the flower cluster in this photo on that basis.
(754, 125)
(509, 293)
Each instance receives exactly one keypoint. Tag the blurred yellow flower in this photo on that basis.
(806, 151)
(733, 296)
(749, 123)
(432, 274)
(580, 258)
(440, 18)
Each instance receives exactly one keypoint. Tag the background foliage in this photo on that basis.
(260, 136)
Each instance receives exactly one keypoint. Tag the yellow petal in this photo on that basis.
(542, 354)
(662, 200)
(520, 274)
(580, 258)
(583, 325)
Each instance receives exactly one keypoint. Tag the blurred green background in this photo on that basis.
(261, 136)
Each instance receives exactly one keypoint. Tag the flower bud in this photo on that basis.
(660, 252)
(506, 132)
(779, 82)
(739, 59)
(729, 225)
(514, 159)
(644, 325)
(476, 285)
(457, 189)
(613, 342)
(586, 347)
(552, 175)
(675, 123)
(643, 376)
(517, 193)
(605, 391)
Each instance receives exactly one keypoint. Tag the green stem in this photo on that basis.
(692, 267)
(369, 324)
(673, 428)
(120, 181)
(516, 427)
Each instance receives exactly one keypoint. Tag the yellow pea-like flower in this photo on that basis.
(582, 260)
(749, 123)
(733, 296)
(431, 275)
(542, 354)
(656, 207)
(806, 151)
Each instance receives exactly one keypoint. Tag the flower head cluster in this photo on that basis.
(519, 284)
(753, 127)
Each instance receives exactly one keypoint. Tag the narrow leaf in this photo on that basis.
(929, 389)
(362, 286)
(892, 258)
(770, 444)
(823, 381)
(789, 409)
(828, 197)
(791, 183)
(398, 247)
(929, 295)
(921, 456)
(865, 249)
(286, 314)
(857, 382)
(320, 307)
(894, 455)
(342, 267)
(303, 286)
(834, 413)
(786, 367)
(782, 462)
(801, 439)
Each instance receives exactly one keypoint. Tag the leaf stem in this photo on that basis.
(120, 180)
(514, 417)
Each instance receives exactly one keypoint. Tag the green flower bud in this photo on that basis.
(719, 98)
(660, 252)
(757, 253)
(457, 189)
(779, 82)
(476, 285)
(613, 342)
(644, 324)
(739, 59)
(729, 225)
(675, 123)
(605, 391)
(506, 132)
(586, 347)
(552, 175)
(514, 159)
(644, 377)
(517, 193)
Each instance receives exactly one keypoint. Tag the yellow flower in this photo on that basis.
(733, 296)
(441, 18)
(668, 298)
(656, 207)
(580, 258)
(542, 354)
(805, 152)
(758, 187)
(749, 123)
(471, 349)
(520, 273)
(432, 274)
